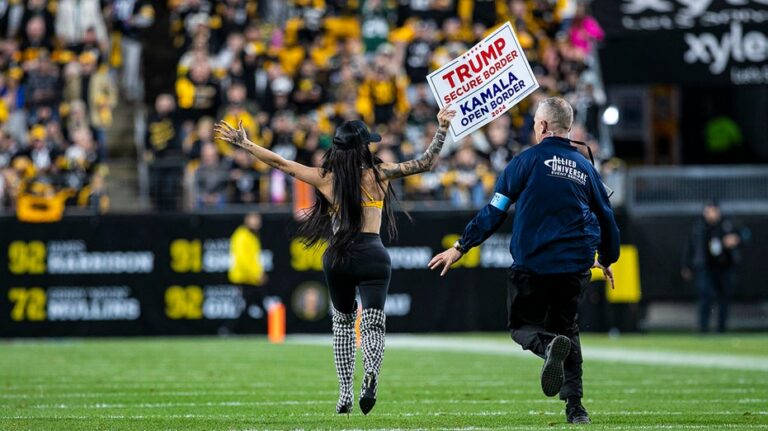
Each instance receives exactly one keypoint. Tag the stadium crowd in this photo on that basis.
(291, 71)
(58, 63)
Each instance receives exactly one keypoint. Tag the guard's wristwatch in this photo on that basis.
(457, 245)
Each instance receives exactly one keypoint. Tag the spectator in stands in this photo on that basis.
(42, 85)
(194, 142)
(162, 124)
(36, 39)
(75, 18)
(231, 51)
(709, 257)
(467, 178)
(55, 135)
(423, 108)
(8, 147)
(12, 96)
(47, 151)
(211, 179)
(41, 155)
(77, 117)
(162, 144)
(332, 62)
(10, 19)
(503, 145)
(79, 163)
(42, 9)
(3, 189)
(382, 94)
(236, 110)
(101, 96)
(584, 31)
(308, 89)
(198, 95)
(129, 18)
(244, 178)
(375, 19)
(192, 148)
(94, 196)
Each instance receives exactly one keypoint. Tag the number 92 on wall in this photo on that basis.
(206, 302)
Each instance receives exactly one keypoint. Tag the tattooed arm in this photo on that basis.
(426, 161)
(239, 138)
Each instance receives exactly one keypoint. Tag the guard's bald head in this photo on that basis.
(557, 113)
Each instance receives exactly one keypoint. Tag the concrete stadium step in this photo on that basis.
(122, 186)
(121, 137)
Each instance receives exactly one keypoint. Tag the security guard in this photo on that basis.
(562, 216)
(246, 269)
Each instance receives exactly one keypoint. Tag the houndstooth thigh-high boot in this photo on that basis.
(372, 329)
(344, 357)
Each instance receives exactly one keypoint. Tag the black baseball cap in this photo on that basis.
(362, 130)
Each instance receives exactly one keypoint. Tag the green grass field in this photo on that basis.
(438, 382)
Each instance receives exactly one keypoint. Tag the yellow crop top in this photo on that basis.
(370, 203)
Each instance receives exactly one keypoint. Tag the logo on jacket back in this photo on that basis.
(561, 167)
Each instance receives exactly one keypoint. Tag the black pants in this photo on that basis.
(164, 185)
(542, 307)
(245, 323)
(714, 285)
(367, 268)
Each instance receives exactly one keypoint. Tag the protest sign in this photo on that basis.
(484, 82)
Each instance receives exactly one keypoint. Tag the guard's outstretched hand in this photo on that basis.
(445, 116)
(607, 272)
(228, 134)
(445, 259)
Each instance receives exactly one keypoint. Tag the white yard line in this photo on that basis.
(204, 392)
(609, 354)
(557, 427)
(398, 415)
(517, 402)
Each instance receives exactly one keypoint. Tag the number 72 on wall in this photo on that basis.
(29, 304)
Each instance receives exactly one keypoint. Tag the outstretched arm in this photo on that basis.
(239, 138)
(508, 187)
(426, 161)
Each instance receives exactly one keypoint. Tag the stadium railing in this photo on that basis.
(678, 190)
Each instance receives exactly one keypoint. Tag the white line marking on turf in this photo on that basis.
(218, 394)
(326, 401)
(556, 427)
(403, 414)
(611, 354)
(200, 393)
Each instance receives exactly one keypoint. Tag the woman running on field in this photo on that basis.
(352, 193)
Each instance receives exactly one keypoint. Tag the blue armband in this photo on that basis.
(501, 202)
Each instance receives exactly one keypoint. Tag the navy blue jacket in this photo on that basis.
(562, 212)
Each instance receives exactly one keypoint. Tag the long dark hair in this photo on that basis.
(347, 158)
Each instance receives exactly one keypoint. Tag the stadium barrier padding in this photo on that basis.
(167, 274)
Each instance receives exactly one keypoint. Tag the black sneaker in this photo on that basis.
(368, 393)
(576, 414)
(552, 374)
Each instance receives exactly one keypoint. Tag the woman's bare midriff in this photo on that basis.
(371, 215)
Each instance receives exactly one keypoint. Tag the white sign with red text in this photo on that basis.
(485, 82)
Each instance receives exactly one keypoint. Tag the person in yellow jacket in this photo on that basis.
(246, 271)
(245, 251)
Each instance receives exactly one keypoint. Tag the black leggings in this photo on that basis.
(366, 267)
